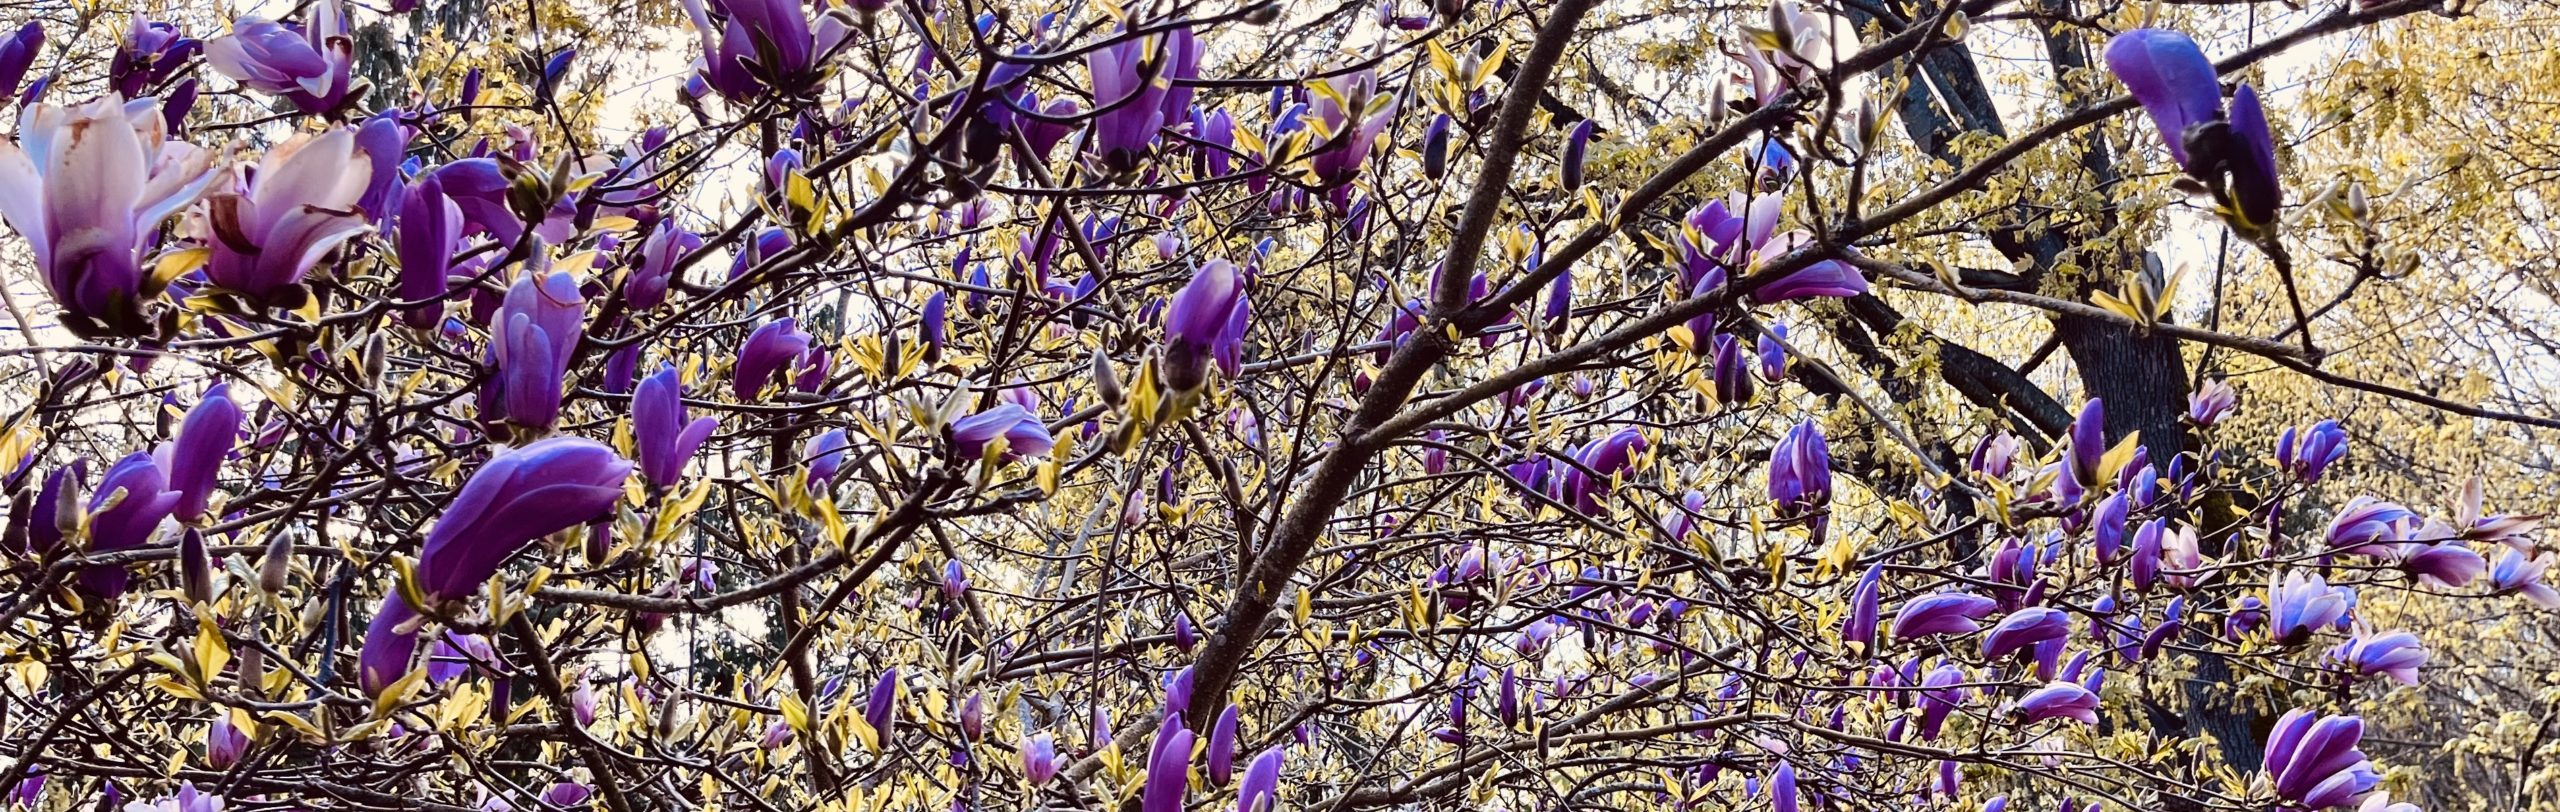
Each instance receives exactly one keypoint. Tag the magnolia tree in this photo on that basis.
(1183, 406)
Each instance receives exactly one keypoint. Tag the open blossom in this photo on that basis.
(2318, 447)
(310, 64)
(86, 185)
(750, 47)
(269, 229)
(1007, 431)
(2211, 402)
(2397, 655)
(2518, 573)
(2302, 603)
(1351, 111)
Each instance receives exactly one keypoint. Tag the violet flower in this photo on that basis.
(1007, 431)
(661, 436)
(2320, 446)
(2517, 573)
(1800, 472)
(124, 513)
(428, 228)
(17, 54)
(2059, 700)
(768, 351)
(1205, 322)
(147, 54)
(268, 230)
(1942, 613)
(310, 65)
(750, 47)
(655, 270)
(2301, 604)
(86, 185)
(194, 459)
(1260, 791)
(2023, 628)
(534, 336)
(2397, 655)
(2313, 761)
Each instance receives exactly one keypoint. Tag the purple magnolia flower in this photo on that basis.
(1577, 145)
(2518, 573)
(750, 46)
(1260, 791)
(825, 457)
(1782, 788)
(1860, 626)
(2144, 569)
(880, 708)
(1606, 458)
(1008, 431)
(195, 457)
(1800, 471)
(2301, 604)
(2211, 402)
(187, 799)
(1354, 111)
(1205, 322)
(534, 335)
(1134, 93)
(86, 185)
(1942, 613)
(1039, 759)
(2106, 529)
(146, 55)
(655, 271)
(2320, 446)
(567, 795)
(17, 54)
(955, 580)
(1773, 354)
(310, 65)
(124, 513)
(1222, 747)
(1169, 769)
(2059, 700)
(2396, 655)
(2181, 91)
(2080, 469)
(2313, 761)
(271, 228)
(1939, 697)
(428, 227)
(661, 437)
(2026, 627)
(224, 744)
(1733, 375)
(1828, 278)
(522, 494)
(2369, 526)
(768, 351)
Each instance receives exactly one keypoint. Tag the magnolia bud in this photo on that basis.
(373, 360)
(278, 564)
(66, 507)
(1106, 383)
